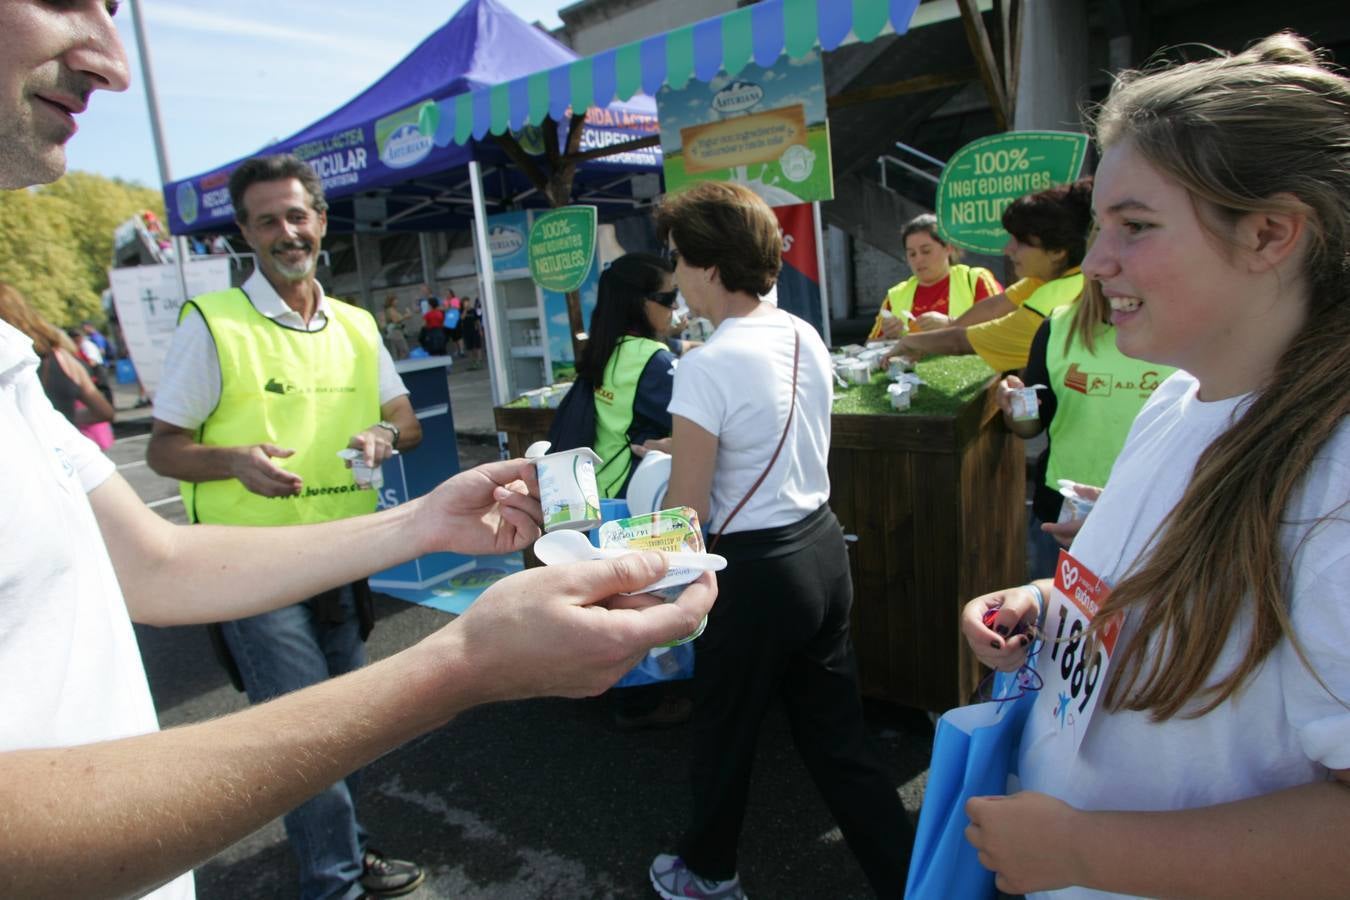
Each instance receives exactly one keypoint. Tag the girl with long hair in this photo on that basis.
(1192, 737)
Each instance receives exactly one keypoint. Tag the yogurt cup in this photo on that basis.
(567, 489)
(901, 394)
(673, 530)
(898, 366)
(367, 478)
(913, 380)
(855, 371)
(873, 358)
(1025, 404)
(1075, 506)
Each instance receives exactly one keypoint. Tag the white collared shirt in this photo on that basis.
(189, 387)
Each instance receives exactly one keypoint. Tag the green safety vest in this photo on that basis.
(1098, 394)
(614, 410)
(308, 391)
(960, 291)
(1053, 294)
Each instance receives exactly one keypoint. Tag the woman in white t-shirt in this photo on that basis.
(1194, 739)
(782, 626)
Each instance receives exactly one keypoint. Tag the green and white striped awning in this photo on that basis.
(727, 43)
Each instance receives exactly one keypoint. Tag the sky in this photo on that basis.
(232, 78)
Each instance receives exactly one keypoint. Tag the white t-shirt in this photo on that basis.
(737, 386)
(189, 387)
(69, 664)
(1282, 729)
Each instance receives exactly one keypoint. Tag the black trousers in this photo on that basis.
(780, 628)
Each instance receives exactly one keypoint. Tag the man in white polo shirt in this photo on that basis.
(261, 389)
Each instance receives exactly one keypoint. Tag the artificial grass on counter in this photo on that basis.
(949, 383)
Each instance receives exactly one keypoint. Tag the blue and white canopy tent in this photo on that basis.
(411, 151)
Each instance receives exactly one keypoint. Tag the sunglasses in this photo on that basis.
(665, 298)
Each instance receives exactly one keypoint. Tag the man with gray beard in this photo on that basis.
(262, 387)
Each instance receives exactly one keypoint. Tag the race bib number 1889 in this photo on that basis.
(1073, 671)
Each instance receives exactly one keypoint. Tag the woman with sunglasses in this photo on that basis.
(629, 364)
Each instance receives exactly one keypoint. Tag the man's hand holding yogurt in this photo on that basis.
(376, 443)
(559, 630)
(492, 508)
(568, 630)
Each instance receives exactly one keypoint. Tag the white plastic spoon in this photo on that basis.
(558, 548)
(537, 449)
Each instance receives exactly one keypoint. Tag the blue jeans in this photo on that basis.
(283, 651)
(1042, 550)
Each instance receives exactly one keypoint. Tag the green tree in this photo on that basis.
(56, 241)
(100, 205)
(38, 256)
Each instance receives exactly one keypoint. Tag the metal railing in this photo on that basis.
(911, 168)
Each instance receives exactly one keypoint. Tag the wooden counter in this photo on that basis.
(937, 505)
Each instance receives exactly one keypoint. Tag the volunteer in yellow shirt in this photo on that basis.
(1048, 232)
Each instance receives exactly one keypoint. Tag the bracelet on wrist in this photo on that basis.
(1038, 596)
(392, 429)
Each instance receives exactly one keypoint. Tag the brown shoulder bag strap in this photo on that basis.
(792, 409)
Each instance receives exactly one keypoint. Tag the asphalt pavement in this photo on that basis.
(533, 799)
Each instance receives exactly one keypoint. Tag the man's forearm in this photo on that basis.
(944, 342)
(117, 818)
(222, 563)
(985, 311)
(177, 455)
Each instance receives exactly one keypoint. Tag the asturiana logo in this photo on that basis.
(737, 97)
(503, 241)
(406, 146)
(186, 197)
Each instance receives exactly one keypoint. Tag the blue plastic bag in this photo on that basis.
(661, 664)
(974, 753)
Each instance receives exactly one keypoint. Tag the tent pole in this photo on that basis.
(180, 244)
(822, 275)
(488, 279)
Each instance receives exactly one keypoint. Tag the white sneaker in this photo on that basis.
(674, 880)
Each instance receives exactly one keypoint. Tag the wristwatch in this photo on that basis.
(392, 429)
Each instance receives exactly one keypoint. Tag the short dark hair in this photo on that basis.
(621, 309)
(725, 225)
(280, 167)
(1056, 218)
(922, 224)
